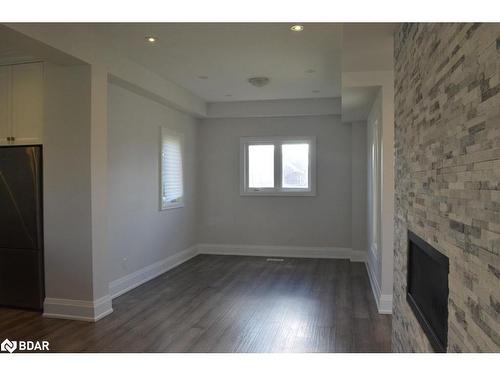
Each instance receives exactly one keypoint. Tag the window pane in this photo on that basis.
(171, 169)
(261, 166)
(295, 159)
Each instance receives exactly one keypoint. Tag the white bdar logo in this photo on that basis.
(8, 346)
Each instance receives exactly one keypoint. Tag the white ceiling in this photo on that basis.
(368, 46)
(229, 53)
(17, 48)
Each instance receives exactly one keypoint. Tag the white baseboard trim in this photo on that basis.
(358, 256)
(383, 301)
(283, 251)
(133, 280)
(88, 311)
(385, 304)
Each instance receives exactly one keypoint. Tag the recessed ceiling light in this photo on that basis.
(151, 39)
(203, 77)
(258, 81)
(297, 28)
(311, 71)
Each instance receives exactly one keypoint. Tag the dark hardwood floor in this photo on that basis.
(228, 304)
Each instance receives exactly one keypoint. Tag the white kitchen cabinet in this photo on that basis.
(21, 101)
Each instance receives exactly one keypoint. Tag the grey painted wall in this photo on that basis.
(228, 218)
(138, 231)
(67, 191)
(359, 188)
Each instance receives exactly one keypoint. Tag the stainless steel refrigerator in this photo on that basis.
(21, 227)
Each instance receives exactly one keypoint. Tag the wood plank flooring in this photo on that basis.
(228, 304)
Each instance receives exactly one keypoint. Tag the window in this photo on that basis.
(260, 166)
(295, 161)
(171, 170)
(278, 166)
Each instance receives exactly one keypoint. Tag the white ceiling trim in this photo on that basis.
(275, 108)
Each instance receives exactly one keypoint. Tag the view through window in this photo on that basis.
(261, 166)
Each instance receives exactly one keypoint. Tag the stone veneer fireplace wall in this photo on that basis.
(447, 172)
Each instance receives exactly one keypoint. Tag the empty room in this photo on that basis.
(249, 187)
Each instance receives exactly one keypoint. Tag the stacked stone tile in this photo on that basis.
(447, 139)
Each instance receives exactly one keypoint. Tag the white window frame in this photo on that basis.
(180, 202)
(278, 190)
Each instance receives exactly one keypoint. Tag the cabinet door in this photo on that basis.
(27, 103)
(5, 105)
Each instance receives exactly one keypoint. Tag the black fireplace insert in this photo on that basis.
(427, 290)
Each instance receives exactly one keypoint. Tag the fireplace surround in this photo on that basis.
(446, 131)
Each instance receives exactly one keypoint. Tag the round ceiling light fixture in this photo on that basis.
(258, 81)
(297, 28)
(151, 39)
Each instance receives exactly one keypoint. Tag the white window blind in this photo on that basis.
(172, 185)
